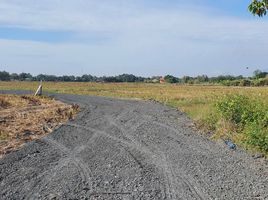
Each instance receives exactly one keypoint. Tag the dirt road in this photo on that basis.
(124, 149)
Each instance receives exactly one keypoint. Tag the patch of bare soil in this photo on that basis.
(27, 118)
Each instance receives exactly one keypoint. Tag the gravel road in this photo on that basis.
(126, 149)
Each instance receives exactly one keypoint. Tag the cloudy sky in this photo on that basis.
(142, 37)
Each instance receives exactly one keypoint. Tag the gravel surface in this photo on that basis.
(125, 149)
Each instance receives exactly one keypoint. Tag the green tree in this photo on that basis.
(171, 79)
(259, 74)
(4, 76)
(258, 7)
(25, 76)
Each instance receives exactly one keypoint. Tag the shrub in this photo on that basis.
(257, 136)
(235, 108)
(245, 82)
(250, 116)
(261, 82)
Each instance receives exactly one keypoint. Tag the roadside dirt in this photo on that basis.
(123, 149)
(26, 118)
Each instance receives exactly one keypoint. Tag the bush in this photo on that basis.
(250, 116)
(245, 82)
(261, 82)
(257, 136)
(235, 108)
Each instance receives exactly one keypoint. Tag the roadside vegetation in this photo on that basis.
(27, 118)
(244, 119)
(239, 114)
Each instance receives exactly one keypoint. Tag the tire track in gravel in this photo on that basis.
(84, 171)
(71, 157)
(129, 145)
(164, 163)
(142, 149)
(187, 181)
(149, 119)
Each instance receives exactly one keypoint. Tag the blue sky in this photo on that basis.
(142, 37)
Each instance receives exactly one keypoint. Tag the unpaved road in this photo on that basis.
(123, 149)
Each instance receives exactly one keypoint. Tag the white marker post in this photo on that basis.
(39, 90)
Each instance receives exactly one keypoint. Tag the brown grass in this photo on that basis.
(27, 118)
(195, 100)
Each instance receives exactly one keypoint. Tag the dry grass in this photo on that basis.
(196, 100)
(26, 118)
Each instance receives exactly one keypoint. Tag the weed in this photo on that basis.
(3, 136)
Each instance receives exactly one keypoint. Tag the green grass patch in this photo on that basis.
(3, 136)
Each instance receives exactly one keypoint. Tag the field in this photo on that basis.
(213, 108)
(26, 118)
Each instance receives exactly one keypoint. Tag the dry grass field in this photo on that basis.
(26, 118)
(199, 102)
(195, 100)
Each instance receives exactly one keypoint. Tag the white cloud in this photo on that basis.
(142, 39)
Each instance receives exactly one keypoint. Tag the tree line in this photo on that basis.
(5, 76)
(259, 78)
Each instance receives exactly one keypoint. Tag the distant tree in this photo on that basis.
(78, 79)
(187, 79)
(239, 77)
(25, 77)
(67, 78)
(110, 79)
(14, 76)
(259, 74)
(258, 7)
(127, 78)
(221, 78)
(40, 77)
(72, 78)
(4, 76)
(202, 79)
(171, 79)
(121, 78)
(130, 78)
(44, 77)
(87, 78)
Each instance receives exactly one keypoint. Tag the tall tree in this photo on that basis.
(258, 7)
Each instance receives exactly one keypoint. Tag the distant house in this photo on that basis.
(162, 80)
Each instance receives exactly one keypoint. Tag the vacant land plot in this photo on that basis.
(125, 149)
(204, 104)
(26, 118)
